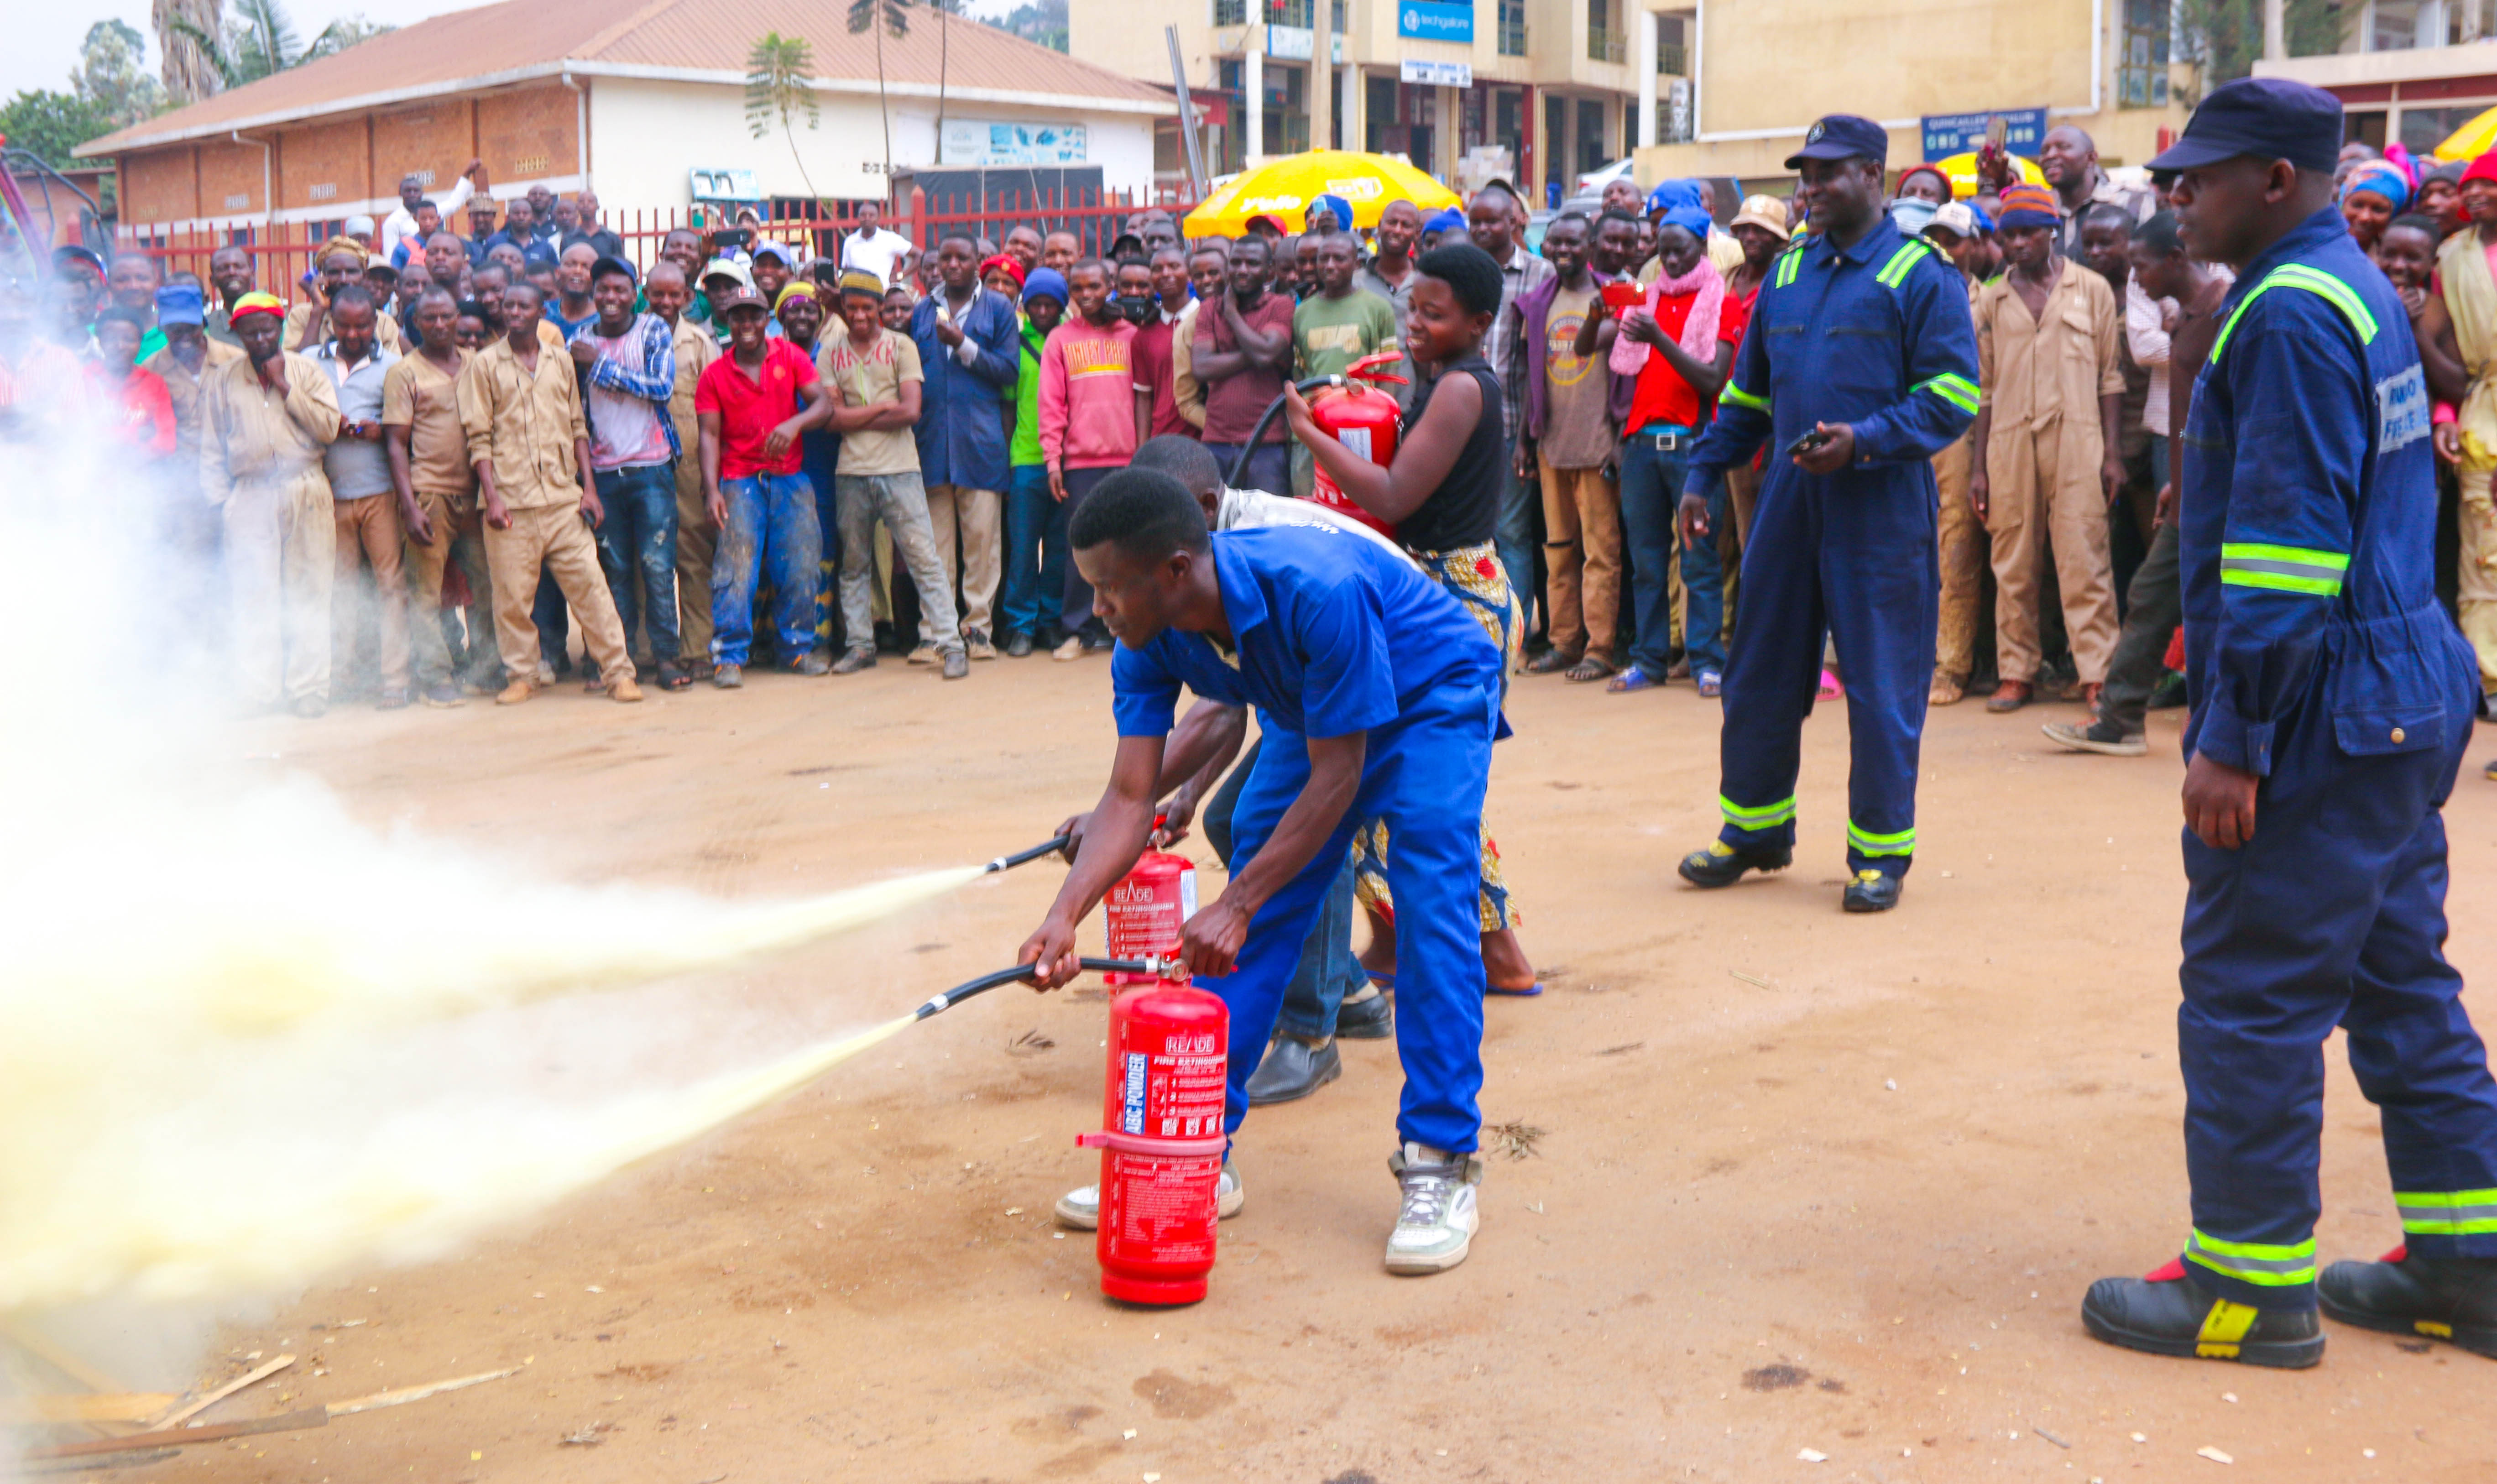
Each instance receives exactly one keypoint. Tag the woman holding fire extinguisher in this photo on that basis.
(1441, 497)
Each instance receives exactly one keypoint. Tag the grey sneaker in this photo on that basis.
(852, 661)
(1080, 1208)
(957, 664)
(1435, 1225)
(2097, 736)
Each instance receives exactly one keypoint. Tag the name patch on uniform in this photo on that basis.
(2401, 407)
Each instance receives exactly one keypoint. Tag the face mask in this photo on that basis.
(1135, 308)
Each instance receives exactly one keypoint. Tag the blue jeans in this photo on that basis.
(1075, 609)
(1520, 501)
(1035, 553)
(1703, 588)
(640, 534)
(1327, 971)
(1650, 490)
(771, 521)
(553, 619)
(1270, 469)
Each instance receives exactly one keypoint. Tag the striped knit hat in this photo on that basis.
(2029, 206)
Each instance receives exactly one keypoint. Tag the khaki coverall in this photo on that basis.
(419, 397)
(260, 464)
(2041, 379)
(525, 424)
(696, 350)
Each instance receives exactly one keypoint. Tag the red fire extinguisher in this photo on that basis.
(1162, 1143)
(1144, 912)
(1363, 418)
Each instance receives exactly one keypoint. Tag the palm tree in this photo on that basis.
(189, 74)
(896, 19)
(259, 42)
(780, 75)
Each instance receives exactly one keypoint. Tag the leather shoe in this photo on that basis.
(1292, 1070)
(2010, 696)
(1871, 891)
(1370, 1017)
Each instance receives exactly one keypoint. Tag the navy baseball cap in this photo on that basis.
(2272, 118)
(608, 264)
(1843, 136)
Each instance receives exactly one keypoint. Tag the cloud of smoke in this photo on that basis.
(233, 1061)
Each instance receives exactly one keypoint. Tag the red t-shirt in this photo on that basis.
(143, 418)
(1734, 316)
(749, 407)
(1151, 350)
(1661, 396)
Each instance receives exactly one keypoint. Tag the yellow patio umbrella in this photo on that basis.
(1284, 187)
(1961, 170)
(2472, 141)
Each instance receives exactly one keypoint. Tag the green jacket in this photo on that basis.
(1026, 435)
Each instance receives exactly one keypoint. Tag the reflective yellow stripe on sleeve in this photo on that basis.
(2283, 568)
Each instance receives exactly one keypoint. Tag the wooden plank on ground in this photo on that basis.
(178, 1438)
(406, 1393)
(184, 1412)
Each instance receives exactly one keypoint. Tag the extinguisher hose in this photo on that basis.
(1010, 861)
(1274, 410)
(939, 1003)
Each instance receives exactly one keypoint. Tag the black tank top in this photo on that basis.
(1465, 509)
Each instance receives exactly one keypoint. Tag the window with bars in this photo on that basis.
(1511, 20)
(1230, 13)
(1291, 13)
(1605, 42)
(2141, 65)
(1335, 20)
(1672, 46)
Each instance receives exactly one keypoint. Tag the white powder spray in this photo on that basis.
(234, 1057)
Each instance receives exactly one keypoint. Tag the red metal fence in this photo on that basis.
(282, 252)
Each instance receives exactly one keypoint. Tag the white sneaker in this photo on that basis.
(1436, 1222)
(1080, 1208)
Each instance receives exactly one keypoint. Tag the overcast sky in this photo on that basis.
(44, 43)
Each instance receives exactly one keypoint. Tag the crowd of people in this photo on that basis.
(812, 460)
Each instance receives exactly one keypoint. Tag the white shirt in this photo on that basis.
(1255, 509)
(401, 223)
(2145, 335)
(874, 252)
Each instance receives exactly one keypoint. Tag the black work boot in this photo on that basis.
(2169, 1314)
(1722, 865)
(2442, 1298)
(1871, 891)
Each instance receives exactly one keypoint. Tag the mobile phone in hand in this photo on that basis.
(1811, 442)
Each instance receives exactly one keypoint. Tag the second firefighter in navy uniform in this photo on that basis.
(2331, 701)
(1860, 365)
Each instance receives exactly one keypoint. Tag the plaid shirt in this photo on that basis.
(1522, 272)
(655, 346)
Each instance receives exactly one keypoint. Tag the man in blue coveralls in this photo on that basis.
(1860, 364)
(1377, 696)
(2331, 701)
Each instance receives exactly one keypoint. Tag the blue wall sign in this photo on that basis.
(1436, 20)
(1950, 134)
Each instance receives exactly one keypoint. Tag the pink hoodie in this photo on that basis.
(1088, 395)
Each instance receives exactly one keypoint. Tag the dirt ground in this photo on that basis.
(1776, 1180)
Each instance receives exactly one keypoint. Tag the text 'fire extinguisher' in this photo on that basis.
(1162, 1143)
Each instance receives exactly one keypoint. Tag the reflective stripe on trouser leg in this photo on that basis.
(2416, 1054)
(2269, 1265)
(1881, 577)
(2328, 917)
(1773, 666)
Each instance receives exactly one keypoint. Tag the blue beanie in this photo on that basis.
(1447, 218)
(180, 303)
(1045, 283)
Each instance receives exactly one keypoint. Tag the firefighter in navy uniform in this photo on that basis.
(1860, 364)
(2331, 701)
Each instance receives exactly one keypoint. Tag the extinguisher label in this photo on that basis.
(1131, 1107)
(1356, 439)
(1186, 894)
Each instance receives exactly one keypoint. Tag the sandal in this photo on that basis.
(1631, 679)
(1594, 667)
(673, 676)
(1549, 661)
(1830, 689)
(1528, 992)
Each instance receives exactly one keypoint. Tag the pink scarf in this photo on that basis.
(1698, 332)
